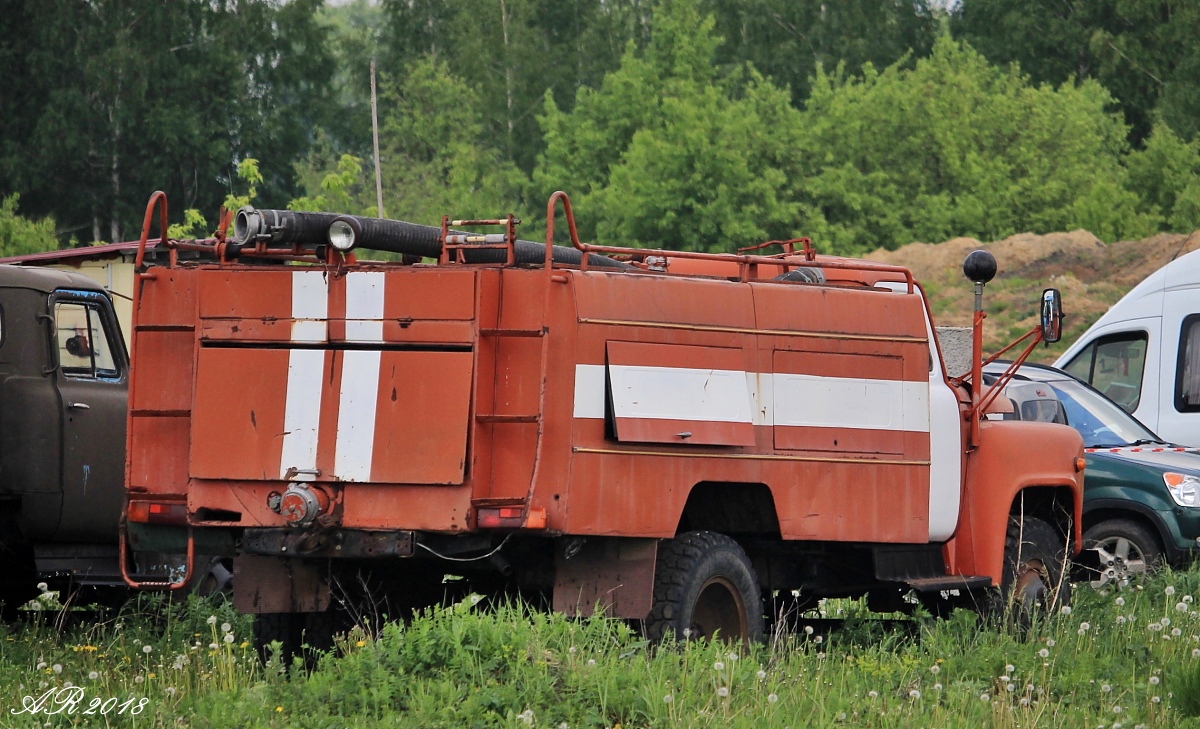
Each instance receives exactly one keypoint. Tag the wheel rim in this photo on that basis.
(1120, 560)
(1032, 588)
(719, 611)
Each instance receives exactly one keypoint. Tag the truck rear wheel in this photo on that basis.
(705, 587)
(1034, 579)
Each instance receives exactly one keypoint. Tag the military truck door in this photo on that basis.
(93, 384)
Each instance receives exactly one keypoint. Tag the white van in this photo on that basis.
(1145, 352)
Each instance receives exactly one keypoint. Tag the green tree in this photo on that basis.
(19, 235)
(673, 151)
(955, 146)
(1143, 51)
(1166, 174)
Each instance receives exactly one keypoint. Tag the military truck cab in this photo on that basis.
(64, 381)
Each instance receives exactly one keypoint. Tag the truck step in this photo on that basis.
(485, 418)
(949, 582)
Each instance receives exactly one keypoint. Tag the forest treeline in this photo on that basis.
(700, 124)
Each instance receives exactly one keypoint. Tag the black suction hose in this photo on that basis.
(394, 236)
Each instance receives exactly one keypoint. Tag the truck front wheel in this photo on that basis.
(705, 587)
(1035, 562)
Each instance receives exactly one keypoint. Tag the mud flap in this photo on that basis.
(274, 585)
(614, 575)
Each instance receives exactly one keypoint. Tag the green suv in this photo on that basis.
(1141, 503)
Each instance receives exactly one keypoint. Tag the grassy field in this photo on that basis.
(1125, 658)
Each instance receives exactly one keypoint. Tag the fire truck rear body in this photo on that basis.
(327, 415)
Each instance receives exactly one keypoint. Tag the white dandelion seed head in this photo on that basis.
(40, 665)
(1196, 653)
(821, 656)
(226, 627)
(42, 587)
(564, 725)
(1119, 601)
(57, 668)
(772, 698)
(1165, 621)
(1009, 668)
(1154, 680)
(1116, 709)
(1176, 632)
(819, 639)
(731, 656)
(212, 620)
(1049, 642)
(668, 699)
(591, 661)
(1156, 699)
(92, 675)
(1187, 598)
(1024, 701)
(228, 638)
(1120, 620)
(1005, 679)
(914, 694)
(1106, 688)
(147, 648)
(1181, 607)
(935, 669)
(985, 697)
(937, 687)
(723, 691)
(213, 646)
(67, 684)
(170, 691)
(139, 679)
(719, 666)
(808, 630)
(761, 674)
(1169, 590)
(875, 694)
(1010, 687)
(1065, 610)
(1085, 626)
(1045, 652)
(572, 650)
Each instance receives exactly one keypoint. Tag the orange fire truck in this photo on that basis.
(667, 436)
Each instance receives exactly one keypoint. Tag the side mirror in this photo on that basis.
(1051, 316)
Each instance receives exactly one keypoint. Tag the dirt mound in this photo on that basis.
(1092, 276)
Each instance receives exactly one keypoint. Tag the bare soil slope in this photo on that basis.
(1092, 276)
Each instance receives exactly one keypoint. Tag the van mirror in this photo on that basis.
(1051, 316)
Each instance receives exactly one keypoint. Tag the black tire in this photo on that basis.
(1119, 551)
(300, 634)
(705, 587)
(1034, 582)
(216, 578)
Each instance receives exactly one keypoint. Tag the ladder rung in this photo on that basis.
(507, 418)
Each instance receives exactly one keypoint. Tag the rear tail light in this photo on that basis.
(158, 512)
(510, 517)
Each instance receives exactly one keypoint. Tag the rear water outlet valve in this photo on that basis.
(302, 504)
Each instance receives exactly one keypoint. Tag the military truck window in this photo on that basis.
(1114, 365)
(1187, 369)
(83, 341)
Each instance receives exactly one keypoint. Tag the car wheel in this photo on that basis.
(1120, 551)
(705, 587)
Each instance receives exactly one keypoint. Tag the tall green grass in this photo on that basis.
(1117, 659)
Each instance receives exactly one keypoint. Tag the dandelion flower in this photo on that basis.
(147, 649)
(914, 694)
(668, 699)
(808, 630)
(170, 691)
(1156, 699)
(1085, 626)
(591, 661)
(1119, 601)
(819, 639)
(1065, 610)
(1181, 607)
(1010, 668)
(57, 668)
(723, 691)
(212, 620)
(772, 698)
(935, 669)
(213, 646)
(572, 650)
(1165, 621)
(719, 666)
(1024, 701)
(1106, 688)
(1045, 652)
(875, 694)
(937, 687)
(526, 717)
(1170, 590)
(40, 666)
(1049, 642)
(1120, 620)
(1176, 632)
(1010, 687)
(1187, 598)
(93, 675)
(226, 627)
(1154, 680)
(138, 679)
(732, 657)
(1116, 709)
(761, 674)
(228, 638)
(1196, 653)
(985, 697)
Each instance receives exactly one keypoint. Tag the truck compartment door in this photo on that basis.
(358, 415)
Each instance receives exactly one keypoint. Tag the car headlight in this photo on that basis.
(1184, 489)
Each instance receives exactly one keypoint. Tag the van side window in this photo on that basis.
(1114, 365)
(1187, 369)
(83, 342)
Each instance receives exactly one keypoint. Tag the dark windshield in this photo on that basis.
(1100, 421)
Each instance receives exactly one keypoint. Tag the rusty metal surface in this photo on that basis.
(614, 575)
(342, 543)
(273, 585)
